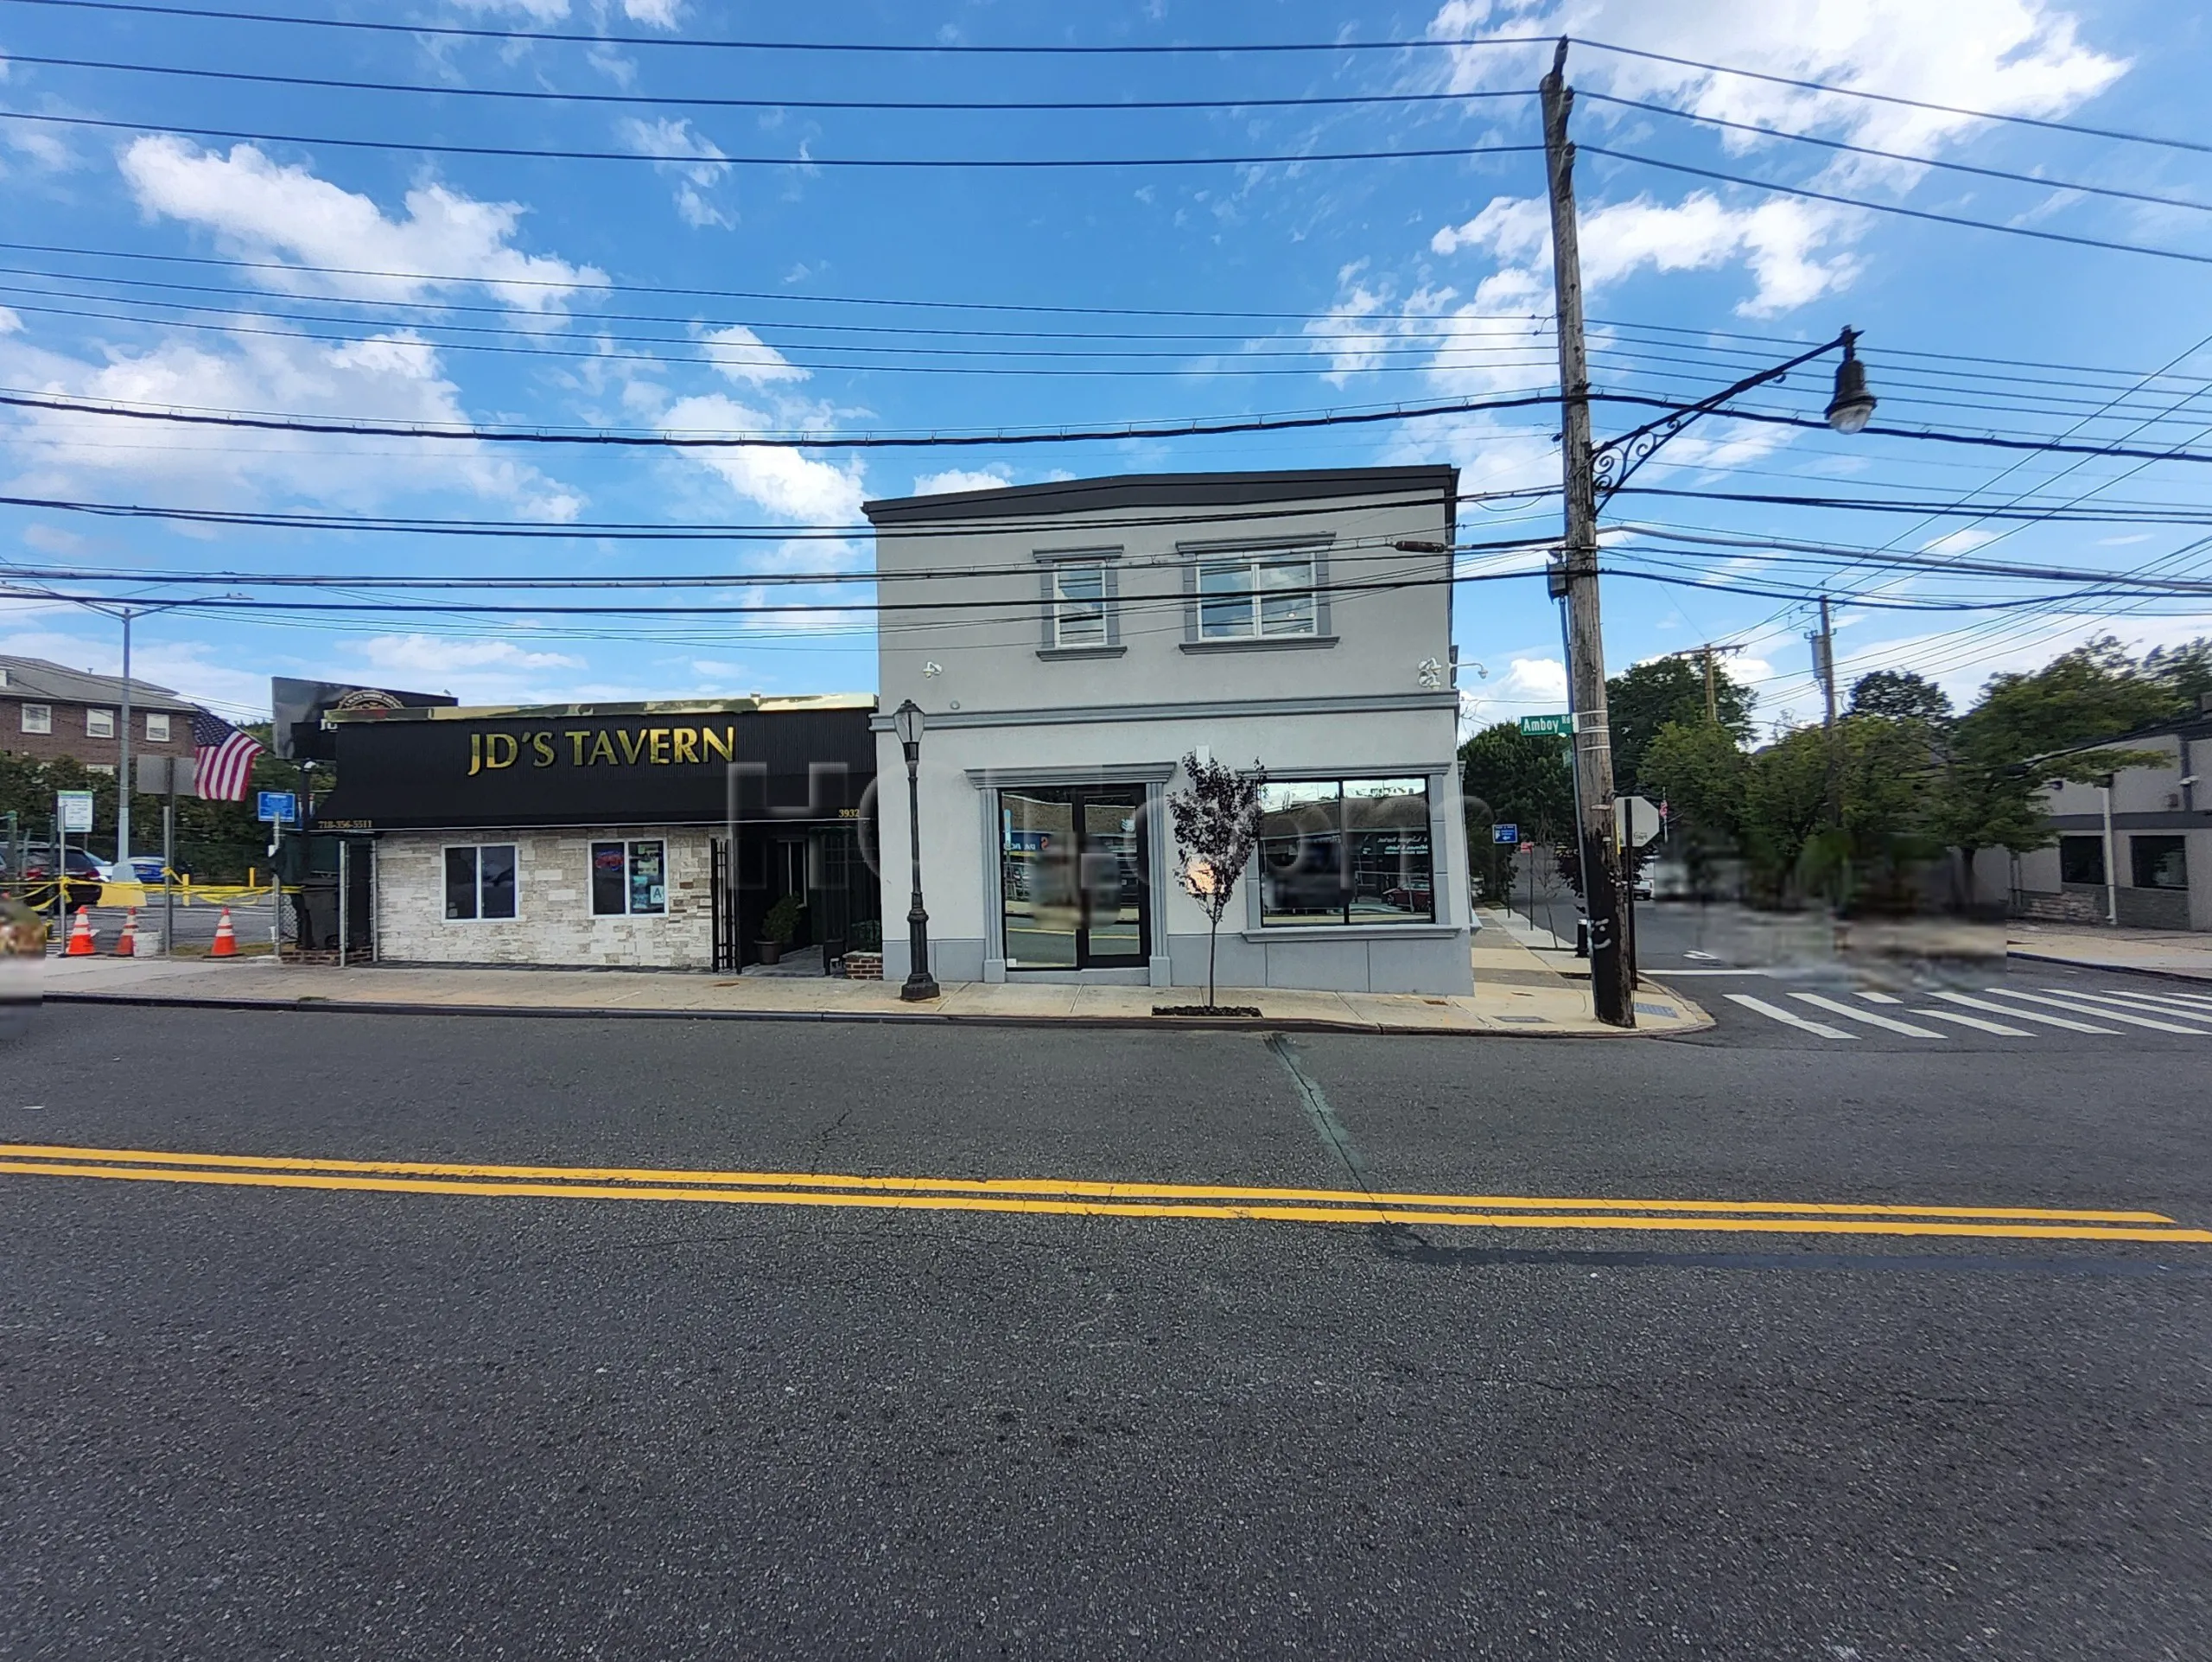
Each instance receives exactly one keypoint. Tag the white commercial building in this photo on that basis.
(2141, 848)
(1069, 643)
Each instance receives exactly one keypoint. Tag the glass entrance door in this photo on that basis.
(1072, 877)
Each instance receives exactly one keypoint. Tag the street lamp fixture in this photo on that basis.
(907, 722)
(1852, 406)
(1849, 410)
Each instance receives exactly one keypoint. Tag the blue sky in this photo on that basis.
(1408, 280)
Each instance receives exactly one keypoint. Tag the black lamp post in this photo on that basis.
(906, 722)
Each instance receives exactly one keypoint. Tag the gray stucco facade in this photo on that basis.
(1070, 643)
(2160, 856)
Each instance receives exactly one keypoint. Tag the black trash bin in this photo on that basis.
(316, 911)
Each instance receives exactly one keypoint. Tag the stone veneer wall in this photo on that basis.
(554, 923)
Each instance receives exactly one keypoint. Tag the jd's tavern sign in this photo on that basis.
(694, 763)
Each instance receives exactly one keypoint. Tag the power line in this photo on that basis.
(786, 441)
(1891, 155)
(691, 159)
(1928, 215)
(682, 100)
(2044, 123)
(954, 49)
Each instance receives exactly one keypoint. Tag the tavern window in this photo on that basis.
(479, 882)
(629, 879)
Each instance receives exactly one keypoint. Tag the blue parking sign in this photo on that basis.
(278, 807)
(1505, 833)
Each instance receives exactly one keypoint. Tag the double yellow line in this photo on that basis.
(1078, 1198)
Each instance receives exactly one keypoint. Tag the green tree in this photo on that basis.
(1700, 771)
(2185, 671)
(1785, 805)
(1645, 698)
(1509, 777)
(1901, 695)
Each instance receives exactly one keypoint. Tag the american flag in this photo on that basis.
(224, 758)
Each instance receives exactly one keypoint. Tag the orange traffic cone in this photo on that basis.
(81, 944)
(225, 944)
(126, 945)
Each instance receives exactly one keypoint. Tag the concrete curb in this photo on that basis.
(879, 1018)
(2183, 975)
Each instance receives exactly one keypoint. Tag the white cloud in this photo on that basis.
(53, 539)
(269, 211)
(960, 478)
(1777, 239)
(743, 356)
(656, 14)
(781, 480)
(1959, 542)
(531, 11)
(394, 379)
(2011, 57)
(9, 321)
(697, 181)
(2006, 56)
(1529, 687)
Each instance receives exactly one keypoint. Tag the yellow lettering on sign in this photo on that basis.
(599, 747)
(657, 745)
(500, 749)
(725, 741)
(475, 754)
(633, 745)
(542, 744)
(576, 737)
(687, 744)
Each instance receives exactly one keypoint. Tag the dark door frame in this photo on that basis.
(1077, 797)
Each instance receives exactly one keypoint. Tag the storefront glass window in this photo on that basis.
(2159, 861)
(480, 881)
(648, 878)
(1345, 852)
(629, 879)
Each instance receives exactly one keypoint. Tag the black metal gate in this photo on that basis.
(728, 954)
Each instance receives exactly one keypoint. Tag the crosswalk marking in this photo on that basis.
(1874, 998)
(1976, 1022)
(2101, 1014)
(1775, 1012)
(2146, 1002)
(1890, 1023)
(1972, 1002)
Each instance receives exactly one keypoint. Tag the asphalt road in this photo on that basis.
(251, 1420)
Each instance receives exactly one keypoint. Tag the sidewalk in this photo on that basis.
(1514, 994)
(2151, 951)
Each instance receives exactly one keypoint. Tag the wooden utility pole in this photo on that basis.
(1824, 661)
(1612, 969)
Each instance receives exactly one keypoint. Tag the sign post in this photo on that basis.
(72, 812)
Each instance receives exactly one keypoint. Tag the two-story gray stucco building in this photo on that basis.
(1069, 643)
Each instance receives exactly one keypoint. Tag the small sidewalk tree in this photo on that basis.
(1217, 817)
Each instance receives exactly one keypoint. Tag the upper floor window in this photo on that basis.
(1257, 595)
(157, 727)
(1079, 603)
(38, 718)
(100, 724)
(1081, 596)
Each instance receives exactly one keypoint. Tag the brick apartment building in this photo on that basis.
(47, 711)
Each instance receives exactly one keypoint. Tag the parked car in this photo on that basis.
(1644, 888)
(85, 874)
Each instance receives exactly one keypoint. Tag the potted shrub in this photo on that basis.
(780, 929)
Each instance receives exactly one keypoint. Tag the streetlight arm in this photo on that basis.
(1612, 463)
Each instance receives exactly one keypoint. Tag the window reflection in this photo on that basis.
(1345, 852)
